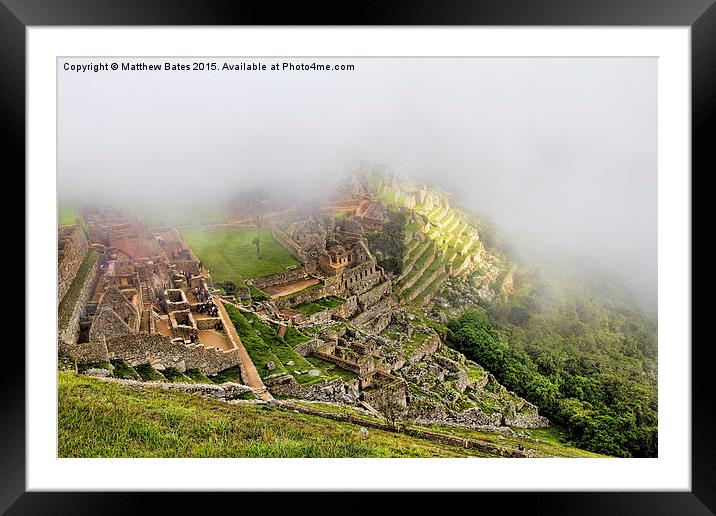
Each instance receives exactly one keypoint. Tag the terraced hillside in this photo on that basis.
(440, 243)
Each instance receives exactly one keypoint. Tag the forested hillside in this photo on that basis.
(572, 342)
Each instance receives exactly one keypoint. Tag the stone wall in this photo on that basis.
(379, 308)
(334, 391)
(187, 266)
(209, 323)
(372, 296)
(430, 346)
(85, 352)
(71, 332)
(363, 366)
(289, 276)
(140, 348)
(306, 348)
(72, 249)
(306, 295)
(225, 391)
(347, 309)
(291, 246)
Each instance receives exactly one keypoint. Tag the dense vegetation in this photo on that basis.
(389, 243)
(573, 346)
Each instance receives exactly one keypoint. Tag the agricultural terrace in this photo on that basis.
(230, 254)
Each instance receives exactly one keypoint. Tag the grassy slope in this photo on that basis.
(231, 255)
(66, 215)
(101, 419)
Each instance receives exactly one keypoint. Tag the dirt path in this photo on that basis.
(249, 375)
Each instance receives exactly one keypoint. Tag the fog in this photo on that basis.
(561, 151)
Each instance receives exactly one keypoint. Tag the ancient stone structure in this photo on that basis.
(150, 295)
(332, 391)
(71, 251)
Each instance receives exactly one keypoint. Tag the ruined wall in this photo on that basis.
(362, 277)
(187, 266)
(291, 246)
(335, 391)
(71, 331)
(306, 348)
(106, 323)
(347, 309)
(225, 391)
(375, 310)
(372, 296)
(209, 323)
(72, 249)
(430, 346)
(363, 366)
(85, 352)
(140, 348)
(289, 276)
(303, 296)
(388, 397)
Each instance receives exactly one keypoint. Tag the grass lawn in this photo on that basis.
(66, 215)
(102, 419)
(230, 255)
(312, 307)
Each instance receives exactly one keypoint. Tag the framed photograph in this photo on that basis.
(440, 249)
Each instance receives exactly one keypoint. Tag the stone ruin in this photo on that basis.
(142, 302)
(72, 248)
(336, 255)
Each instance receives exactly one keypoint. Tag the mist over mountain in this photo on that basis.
(560, 152)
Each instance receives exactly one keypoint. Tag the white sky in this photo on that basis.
(563, 149)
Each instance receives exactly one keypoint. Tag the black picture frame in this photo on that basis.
(699, 15)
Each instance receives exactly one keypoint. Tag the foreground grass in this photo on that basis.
(230, 254)
(103, 419)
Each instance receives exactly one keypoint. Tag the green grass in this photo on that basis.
(64, 311)
(123, 370)
(198, 376)
(102, 419)
(174, 375)
(148, 373)
(313, 307)
(264, 345)
(230, 255)
(94, 365)
(331, 369)
(67, 215)
(257, 349)
(232, 374)
(294, 337)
